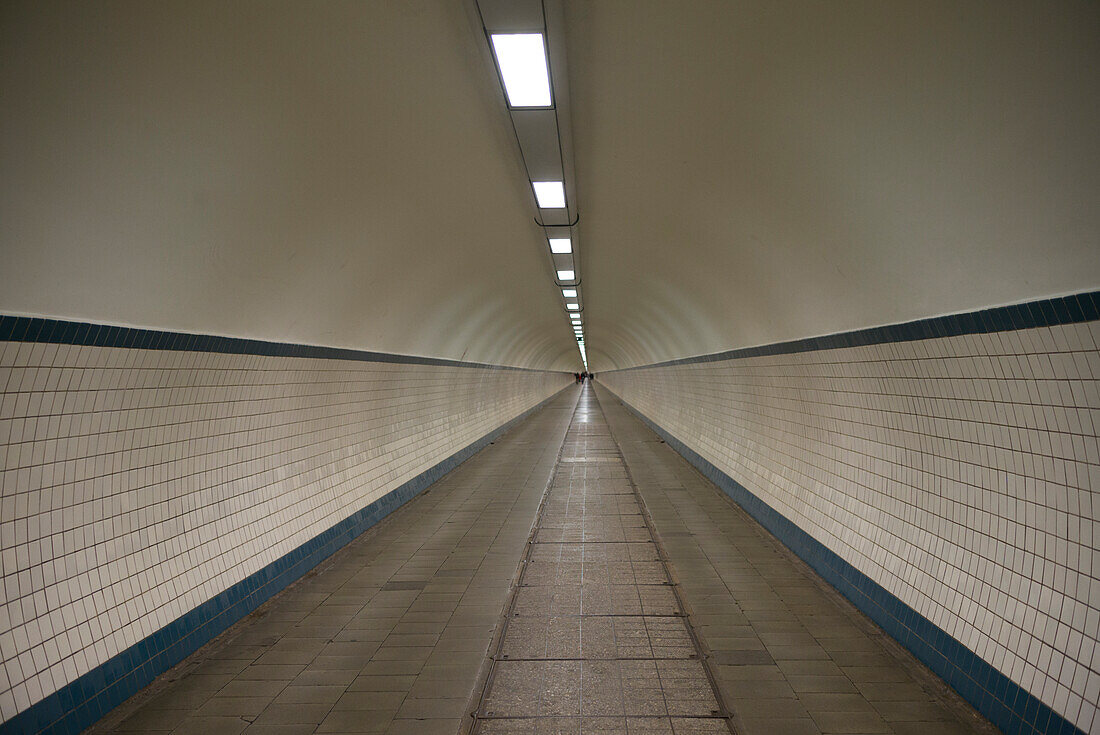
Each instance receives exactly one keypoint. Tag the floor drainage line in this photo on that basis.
(726, 712)
(692, 657)
(476, 715)
(605, 717)
(598, 542)
(609, 615)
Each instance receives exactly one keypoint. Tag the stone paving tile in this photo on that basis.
(557, 573)
(591, 598)
(597, 637)
(594, 552)
(606, 726)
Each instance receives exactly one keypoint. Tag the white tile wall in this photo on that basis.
(961, 474)
(138, 484)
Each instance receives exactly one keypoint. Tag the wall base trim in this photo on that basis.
(1007, 705)
(85, 700)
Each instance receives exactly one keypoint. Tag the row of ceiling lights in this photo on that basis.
(522, 61)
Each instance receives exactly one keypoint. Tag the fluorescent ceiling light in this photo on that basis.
(566, 275)
(521, 58)
(560, 244)
(550, 194)
(569, 293)
(573, 306)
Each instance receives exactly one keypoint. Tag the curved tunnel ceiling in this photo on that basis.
(345, 174)
(757, 172)
(339, 174)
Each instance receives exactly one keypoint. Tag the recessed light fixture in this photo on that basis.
(560, 245)
(521, 58)
(566, 275)
(573, 306)
(550, 194)
(569, 293)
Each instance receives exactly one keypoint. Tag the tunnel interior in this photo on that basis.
(802, 296)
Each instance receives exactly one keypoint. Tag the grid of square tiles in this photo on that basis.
(596, 640)
(390, 634)
(961, 474)
(137, 484)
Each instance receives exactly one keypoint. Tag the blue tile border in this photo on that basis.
(85, 700)
(1007, 705)
(57, 331)
(1082, 307)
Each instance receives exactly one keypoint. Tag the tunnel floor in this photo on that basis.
(576, 576)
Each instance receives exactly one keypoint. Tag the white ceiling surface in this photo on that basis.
(756, 172)
(337, 173)
(344, 173)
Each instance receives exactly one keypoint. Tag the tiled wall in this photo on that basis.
(138, 484)
(961, 474)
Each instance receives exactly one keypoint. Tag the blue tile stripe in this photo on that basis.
(87, 699)
(1005, 703)
(1082, 307)
(57, 331)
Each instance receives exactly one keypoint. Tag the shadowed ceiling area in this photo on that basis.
(345, 174)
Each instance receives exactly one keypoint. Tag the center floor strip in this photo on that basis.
(595, 638)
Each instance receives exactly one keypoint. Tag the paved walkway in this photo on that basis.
(576, 576)
(596, 640)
